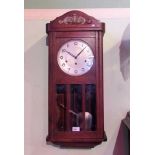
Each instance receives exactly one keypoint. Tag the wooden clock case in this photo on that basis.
(75, 25)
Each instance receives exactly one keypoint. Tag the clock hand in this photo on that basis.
(79, 53)
(71, 54)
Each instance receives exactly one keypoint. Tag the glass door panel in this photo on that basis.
(75, 107)
(90, 106)
(61, 107)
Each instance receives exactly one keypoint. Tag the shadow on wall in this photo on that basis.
(36, 87)
(116, 88)
(35, 62)
(125, 54)
(122, 145)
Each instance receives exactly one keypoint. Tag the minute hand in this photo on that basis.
(79, 53)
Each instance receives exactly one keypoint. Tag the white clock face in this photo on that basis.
(75, 58)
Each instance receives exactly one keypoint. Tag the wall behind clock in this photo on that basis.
(116, 79)
(53, 4)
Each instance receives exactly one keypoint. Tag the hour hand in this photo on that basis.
(71, 54)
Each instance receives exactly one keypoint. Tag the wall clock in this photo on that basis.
(75, 96)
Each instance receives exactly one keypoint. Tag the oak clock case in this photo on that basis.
(75, 96)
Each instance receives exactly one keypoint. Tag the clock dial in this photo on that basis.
(75, 58)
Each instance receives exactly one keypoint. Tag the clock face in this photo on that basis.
(75, 58)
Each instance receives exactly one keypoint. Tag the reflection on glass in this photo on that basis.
(90, 124)
(61, 104)
(76, 106)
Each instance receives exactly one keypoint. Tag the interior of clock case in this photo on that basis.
(76, 107)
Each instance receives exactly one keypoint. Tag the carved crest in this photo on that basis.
(75, 19)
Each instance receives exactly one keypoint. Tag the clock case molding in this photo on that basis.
(75, 25)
